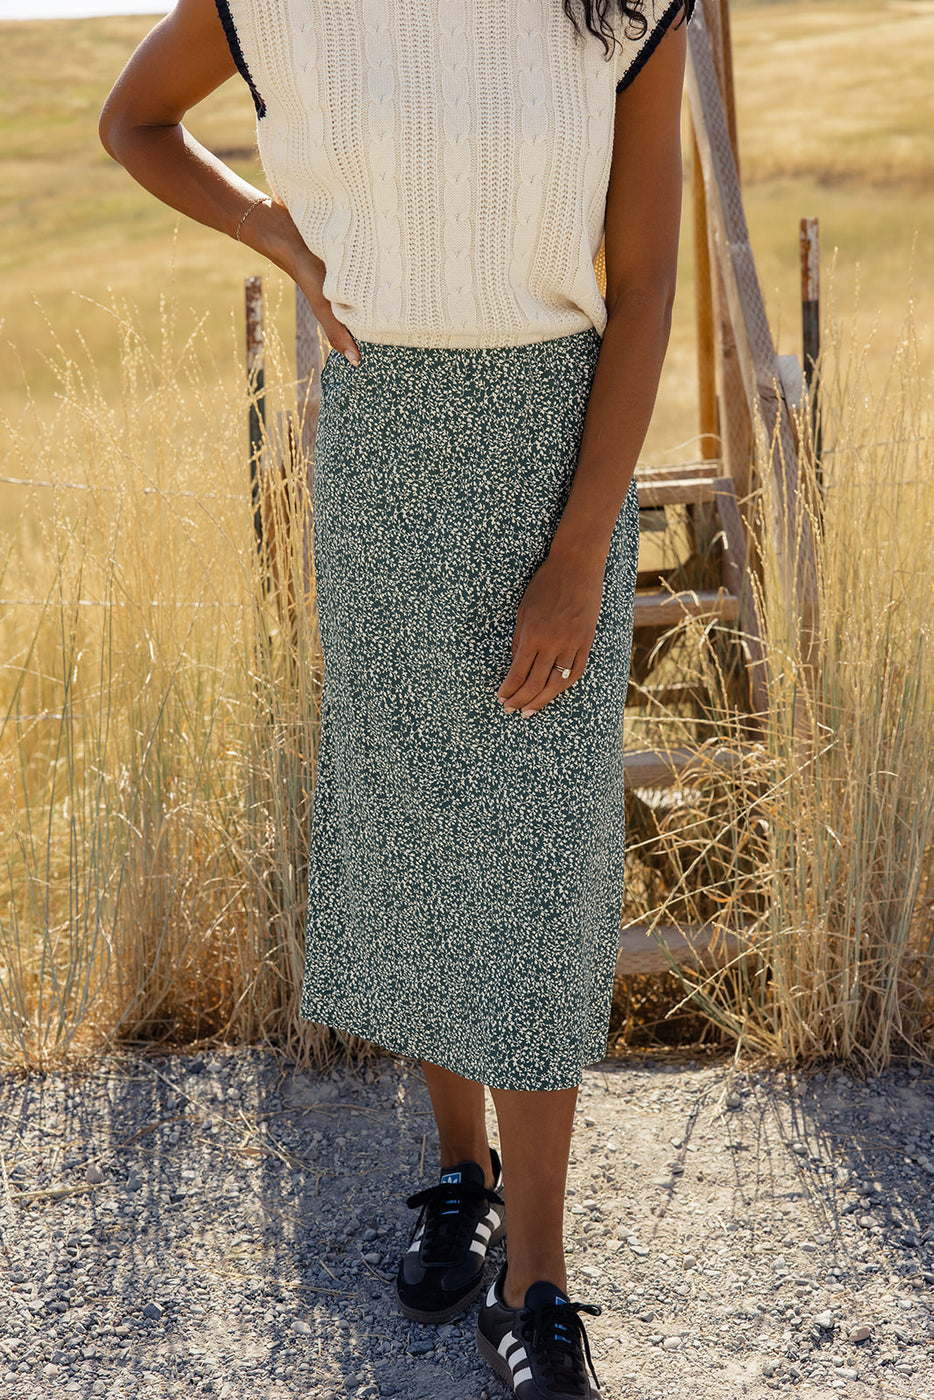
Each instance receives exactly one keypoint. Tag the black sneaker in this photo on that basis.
(537, 1348)
(442, 1271)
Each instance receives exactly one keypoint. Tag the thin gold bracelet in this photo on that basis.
(247, 215)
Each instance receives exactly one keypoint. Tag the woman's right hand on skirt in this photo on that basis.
(555, 628)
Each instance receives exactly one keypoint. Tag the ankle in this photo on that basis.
(520, 1278)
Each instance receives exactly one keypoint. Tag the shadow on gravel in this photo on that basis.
(866, 1149)
(214, 1225)
(219, 1225)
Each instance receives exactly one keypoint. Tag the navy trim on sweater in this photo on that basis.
(236, 53)
(645, 53)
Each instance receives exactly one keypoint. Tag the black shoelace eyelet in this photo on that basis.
(446, 1224)
(555, 1332)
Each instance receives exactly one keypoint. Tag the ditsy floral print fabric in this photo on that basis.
(466, 873)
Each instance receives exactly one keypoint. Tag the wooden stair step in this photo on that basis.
(689, 767)
(690, 489)
(662, 609)
(640, 951)
(708, 470)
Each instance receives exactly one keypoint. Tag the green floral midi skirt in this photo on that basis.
(466, 865)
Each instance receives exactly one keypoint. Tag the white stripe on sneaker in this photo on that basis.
(516, 1357)
(416, 1241)
(508, 1340)
(513, 1350)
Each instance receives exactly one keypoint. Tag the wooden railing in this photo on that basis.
(744, 412)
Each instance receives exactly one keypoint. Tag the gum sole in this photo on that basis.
(454, 1310)
(492, 1358)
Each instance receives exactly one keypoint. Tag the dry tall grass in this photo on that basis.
(822, 844)
(158, 707)
(157, 716)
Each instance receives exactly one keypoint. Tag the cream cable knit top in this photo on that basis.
(447, 160)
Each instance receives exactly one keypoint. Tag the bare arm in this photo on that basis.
(643, 216)
(558, 616)
(183, 59)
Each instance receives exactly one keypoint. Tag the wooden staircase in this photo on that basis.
(745, 426)
(645, 949)
(732, 603)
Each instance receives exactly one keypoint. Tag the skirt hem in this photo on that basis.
(445, 1060)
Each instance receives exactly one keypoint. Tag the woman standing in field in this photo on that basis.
(443, 175)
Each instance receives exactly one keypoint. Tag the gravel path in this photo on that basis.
(217, 1225)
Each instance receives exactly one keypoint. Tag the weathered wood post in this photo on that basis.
(703, 300)
(787, 520)
(809, 241)
(256, 388)
(309, 361)
(735, 424)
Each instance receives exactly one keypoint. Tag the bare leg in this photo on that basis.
(459, 1110)
(535, 1135)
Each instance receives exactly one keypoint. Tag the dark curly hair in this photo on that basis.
(597, 14)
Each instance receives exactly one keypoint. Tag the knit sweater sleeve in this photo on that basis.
(636, 49)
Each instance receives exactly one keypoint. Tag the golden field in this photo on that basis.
(836, 119)
(158, 703)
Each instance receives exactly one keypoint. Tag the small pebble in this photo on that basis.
(301, 1327)
(859, 1334)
